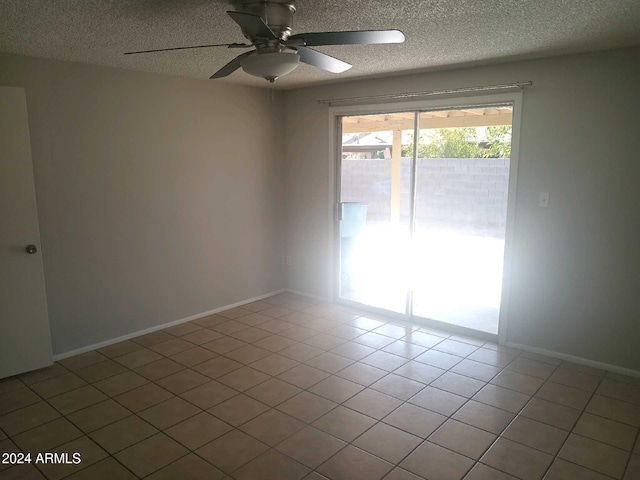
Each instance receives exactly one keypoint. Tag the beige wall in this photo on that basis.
(159, 197)
(576, 264)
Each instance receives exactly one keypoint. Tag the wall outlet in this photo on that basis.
(287, 260)
(543, 202)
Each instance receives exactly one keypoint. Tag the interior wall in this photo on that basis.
(576, 264)
(159, 197)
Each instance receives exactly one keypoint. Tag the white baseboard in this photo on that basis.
(579, 360)
(162, 326)
(308, 295)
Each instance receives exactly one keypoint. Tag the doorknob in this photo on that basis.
(31, 249)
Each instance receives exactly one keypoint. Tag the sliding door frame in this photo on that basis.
(335, 134)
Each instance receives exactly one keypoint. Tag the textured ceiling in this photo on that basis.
(440, 33)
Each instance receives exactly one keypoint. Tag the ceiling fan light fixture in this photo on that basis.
(270, 65)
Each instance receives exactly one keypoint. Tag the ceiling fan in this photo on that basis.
(267, 24)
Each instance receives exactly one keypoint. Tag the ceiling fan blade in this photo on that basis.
(362, 37)
(322, 60)
(232, 66)
(228, 45)
(253, 25)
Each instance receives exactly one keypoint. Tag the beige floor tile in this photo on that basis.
(143, 397)
(483, 472)
(307, 407)
(374, 340)
(303, 376)
(301, 352)
(99, 371)
(90, 453)
(151, 454)
(438, 359)
(606, 431)
(531, 367)
(45, 437)
(238, 410)
(243, 379)
(404, 349)
(477, 370)
(256, 306)
(159, 369)
(227, 328)
(415, 420)
(344, 423)
(138, 358)
(77, 399)
(354, 464)
(372, 403)
(564, 395)
(208, 394)
(438, 401)
(274, 364)
(458, 384)
(119, 349)
(217, 367)
(193, 356)
(384, 361)
(26, 418)
(183, 381)
(583, 368)
(434, 462)
(232, 450)
(397, 386)
(171, 347)
(336, 389)
(83, 360)
(502, 398)
(536, 435)
(7, 446)
(620, 391)
(234, 313)
(423, 339)
(517, 460)
(619, 377)
(152, 338)
(393, 331)
(365, 323)
(107, 469)
(169, 412)
(518, 381)
(276, 311)
(272, 427)
(275, 343)
(563, 470)
(329, 362)
(595, 455)
(325, 341)
(251, 334)
(575, 379)
(123, 434)
(206, 337)
(29, 378)
(183, 329)
(121, 383)
(296, 332)
(401, 474)
(190, 467)
(198, 430)
(541, 358)
(462, 438)
(273, 392)
(353, 350)
(420, 372)
(633, 469)
(271, 465)
(248, 354)
(311, 447)
(455, 348)
(484, 416)
(209, 320)
(362, 374)
(222, 344)
(98, 415)
(387, 442)
(615, 410)
(551, 413)
(58, 385)
(16, 399)
(492, 357)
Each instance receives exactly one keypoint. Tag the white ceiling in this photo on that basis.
(440, 33)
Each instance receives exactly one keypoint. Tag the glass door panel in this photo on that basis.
(462, 180)
(375, 193)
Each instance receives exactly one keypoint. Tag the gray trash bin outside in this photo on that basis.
(354, 218)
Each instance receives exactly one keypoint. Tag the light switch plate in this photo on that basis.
(543, 202)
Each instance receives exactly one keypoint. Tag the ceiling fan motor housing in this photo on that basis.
(278, 14)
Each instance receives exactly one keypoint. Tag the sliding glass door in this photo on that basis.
(423, 208)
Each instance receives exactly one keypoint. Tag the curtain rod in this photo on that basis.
(429, 93)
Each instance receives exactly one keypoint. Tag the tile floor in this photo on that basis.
(287, 388)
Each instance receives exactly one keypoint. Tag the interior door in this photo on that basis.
(25, 342)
